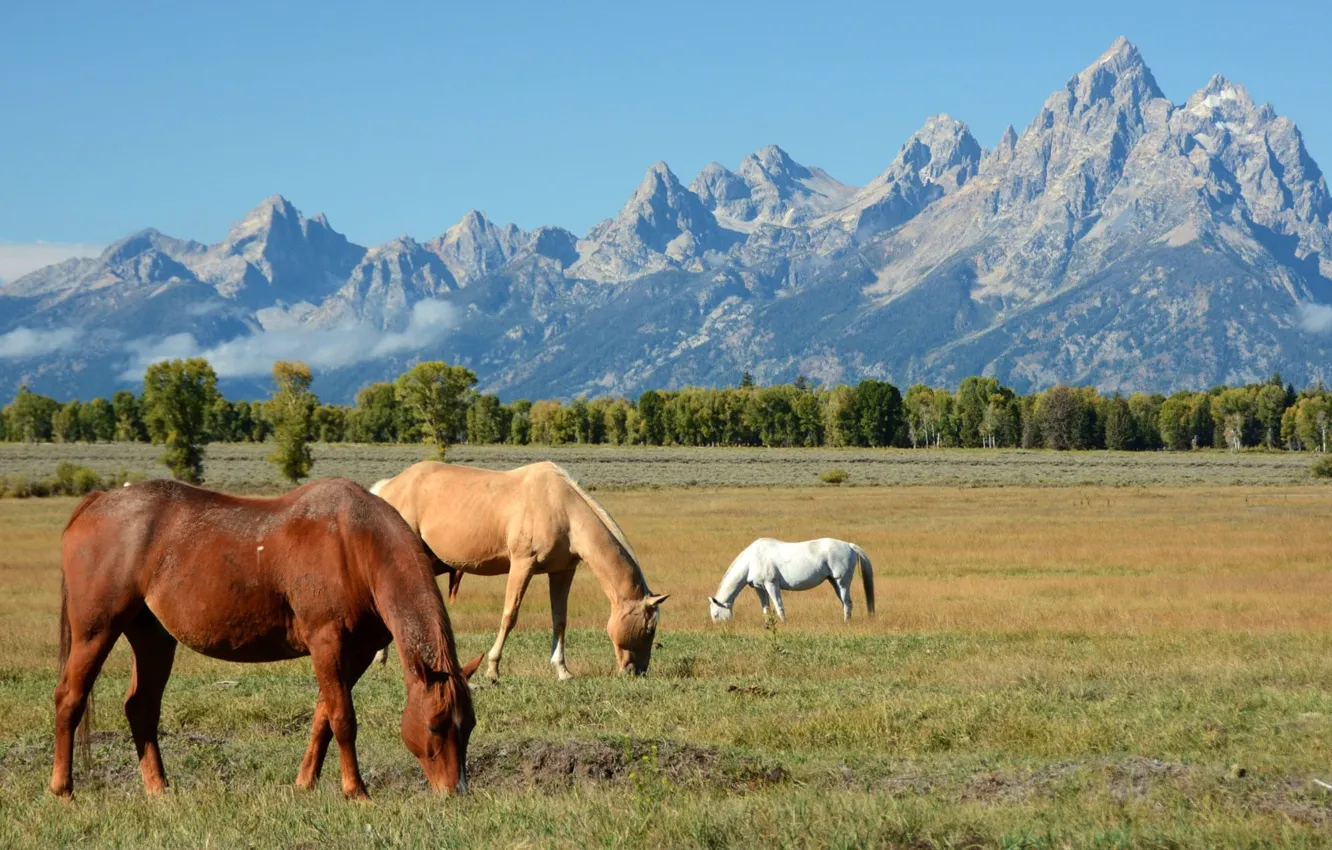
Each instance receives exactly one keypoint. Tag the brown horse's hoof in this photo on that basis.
(64, 795)
(360, 795)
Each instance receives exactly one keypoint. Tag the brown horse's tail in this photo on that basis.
(66, 644)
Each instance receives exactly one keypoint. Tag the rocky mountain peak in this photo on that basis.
(769, 188)
(935, 161)
(663, 224)
(773, 163)
(476, 246)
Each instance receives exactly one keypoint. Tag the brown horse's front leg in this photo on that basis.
(337, 670)
(313, 762)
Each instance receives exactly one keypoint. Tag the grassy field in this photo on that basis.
(1050, 667)
(242, 467)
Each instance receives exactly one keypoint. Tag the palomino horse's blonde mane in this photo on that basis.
(611, 525)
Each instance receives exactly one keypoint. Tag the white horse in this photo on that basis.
(771, 566)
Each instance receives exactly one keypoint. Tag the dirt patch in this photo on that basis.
(1135, 777)
(560, 765)
(749, 690)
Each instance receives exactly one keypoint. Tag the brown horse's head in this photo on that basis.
(437, 723)
(632, 629)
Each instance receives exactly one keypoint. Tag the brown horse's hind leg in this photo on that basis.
(337, 669)
(86, 654)
(154, 653)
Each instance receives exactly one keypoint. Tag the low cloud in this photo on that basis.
(24, 342)
(1316, 318)
(335, 347)
(18, 259)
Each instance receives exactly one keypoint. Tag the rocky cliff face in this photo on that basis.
(1120, 239)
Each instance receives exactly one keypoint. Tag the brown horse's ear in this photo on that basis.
(653, 601)
(471, 667)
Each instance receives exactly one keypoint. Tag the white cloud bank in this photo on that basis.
(1316, 318)
(321, 349)
(24, 342)
(17, 259)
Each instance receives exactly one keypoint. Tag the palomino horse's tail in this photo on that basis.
(866, 576)
(67, 643)
(379, 486)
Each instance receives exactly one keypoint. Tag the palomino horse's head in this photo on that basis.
(437, 723)
(633, 628)
(719, 610)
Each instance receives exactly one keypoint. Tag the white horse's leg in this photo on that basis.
(763, 598)
(843, 589)
(775, 591)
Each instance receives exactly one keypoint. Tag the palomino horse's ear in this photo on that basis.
(653, 601)
(471, 667)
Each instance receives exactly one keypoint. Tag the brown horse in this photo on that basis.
(327, 571)
(529, 521)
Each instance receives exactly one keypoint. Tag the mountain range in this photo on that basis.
(1120, 239)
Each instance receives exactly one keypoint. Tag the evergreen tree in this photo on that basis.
(1120, 434)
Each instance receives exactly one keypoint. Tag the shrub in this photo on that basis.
(834, 476)
(74, 480)
(1322, 468)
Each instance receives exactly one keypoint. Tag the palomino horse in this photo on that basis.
(531, 520)
(326, 571)
(771, 566)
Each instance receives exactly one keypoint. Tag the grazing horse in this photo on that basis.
(771, 566)
(531, 520)
(327, 571)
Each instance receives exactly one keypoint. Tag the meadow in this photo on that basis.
(1107, 665)
(241, 467)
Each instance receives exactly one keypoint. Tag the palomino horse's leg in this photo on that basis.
(86, 654)
(154, 653)
(559, 618)
(336, 673)
(520, 575)
(322, 732)
(775, 591)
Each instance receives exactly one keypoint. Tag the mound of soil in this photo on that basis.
(551, 765)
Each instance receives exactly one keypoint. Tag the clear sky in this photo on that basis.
(397, 118)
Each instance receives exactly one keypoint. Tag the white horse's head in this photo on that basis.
(719, 610)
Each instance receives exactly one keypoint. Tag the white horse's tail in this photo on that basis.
(866, 576)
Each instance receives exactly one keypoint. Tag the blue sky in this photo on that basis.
(399, 117)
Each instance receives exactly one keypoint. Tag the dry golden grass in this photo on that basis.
(1059, 560)
(1002, 560)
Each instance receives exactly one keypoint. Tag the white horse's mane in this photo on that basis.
(611, 525)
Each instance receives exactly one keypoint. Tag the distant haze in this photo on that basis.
(17, 260)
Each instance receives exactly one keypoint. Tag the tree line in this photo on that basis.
(181, 409)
